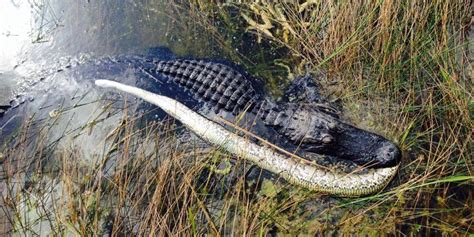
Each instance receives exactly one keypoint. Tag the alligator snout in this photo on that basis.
(362, 147)
(320, 133)
(388, 154)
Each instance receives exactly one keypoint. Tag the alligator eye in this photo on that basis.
(327, 139)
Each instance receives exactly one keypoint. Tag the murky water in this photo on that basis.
(53, 28)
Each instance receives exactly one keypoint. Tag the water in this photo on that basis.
(53, 28)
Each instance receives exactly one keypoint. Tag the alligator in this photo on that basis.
(301, 121)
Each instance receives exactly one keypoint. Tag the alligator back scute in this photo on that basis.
(212, 82)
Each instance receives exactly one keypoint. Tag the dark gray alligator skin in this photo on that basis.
(298, 117)
(213, 82)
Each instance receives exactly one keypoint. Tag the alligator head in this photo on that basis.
(315, 131)
(314, 126)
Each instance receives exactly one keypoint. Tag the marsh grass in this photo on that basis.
(147, 182)
(400, 69)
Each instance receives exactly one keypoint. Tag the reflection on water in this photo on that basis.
(49, 29)
(15, 31)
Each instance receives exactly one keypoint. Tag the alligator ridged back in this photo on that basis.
(225, 87)
(232, 91)
(272, 114)
(212, 82)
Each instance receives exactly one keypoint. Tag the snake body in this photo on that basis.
(293, 169)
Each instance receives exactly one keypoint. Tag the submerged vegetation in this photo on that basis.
(399, 68)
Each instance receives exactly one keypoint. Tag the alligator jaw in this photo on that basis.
(292, 169)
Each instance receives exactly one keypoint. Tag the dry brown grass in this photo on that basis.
(147, 183)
